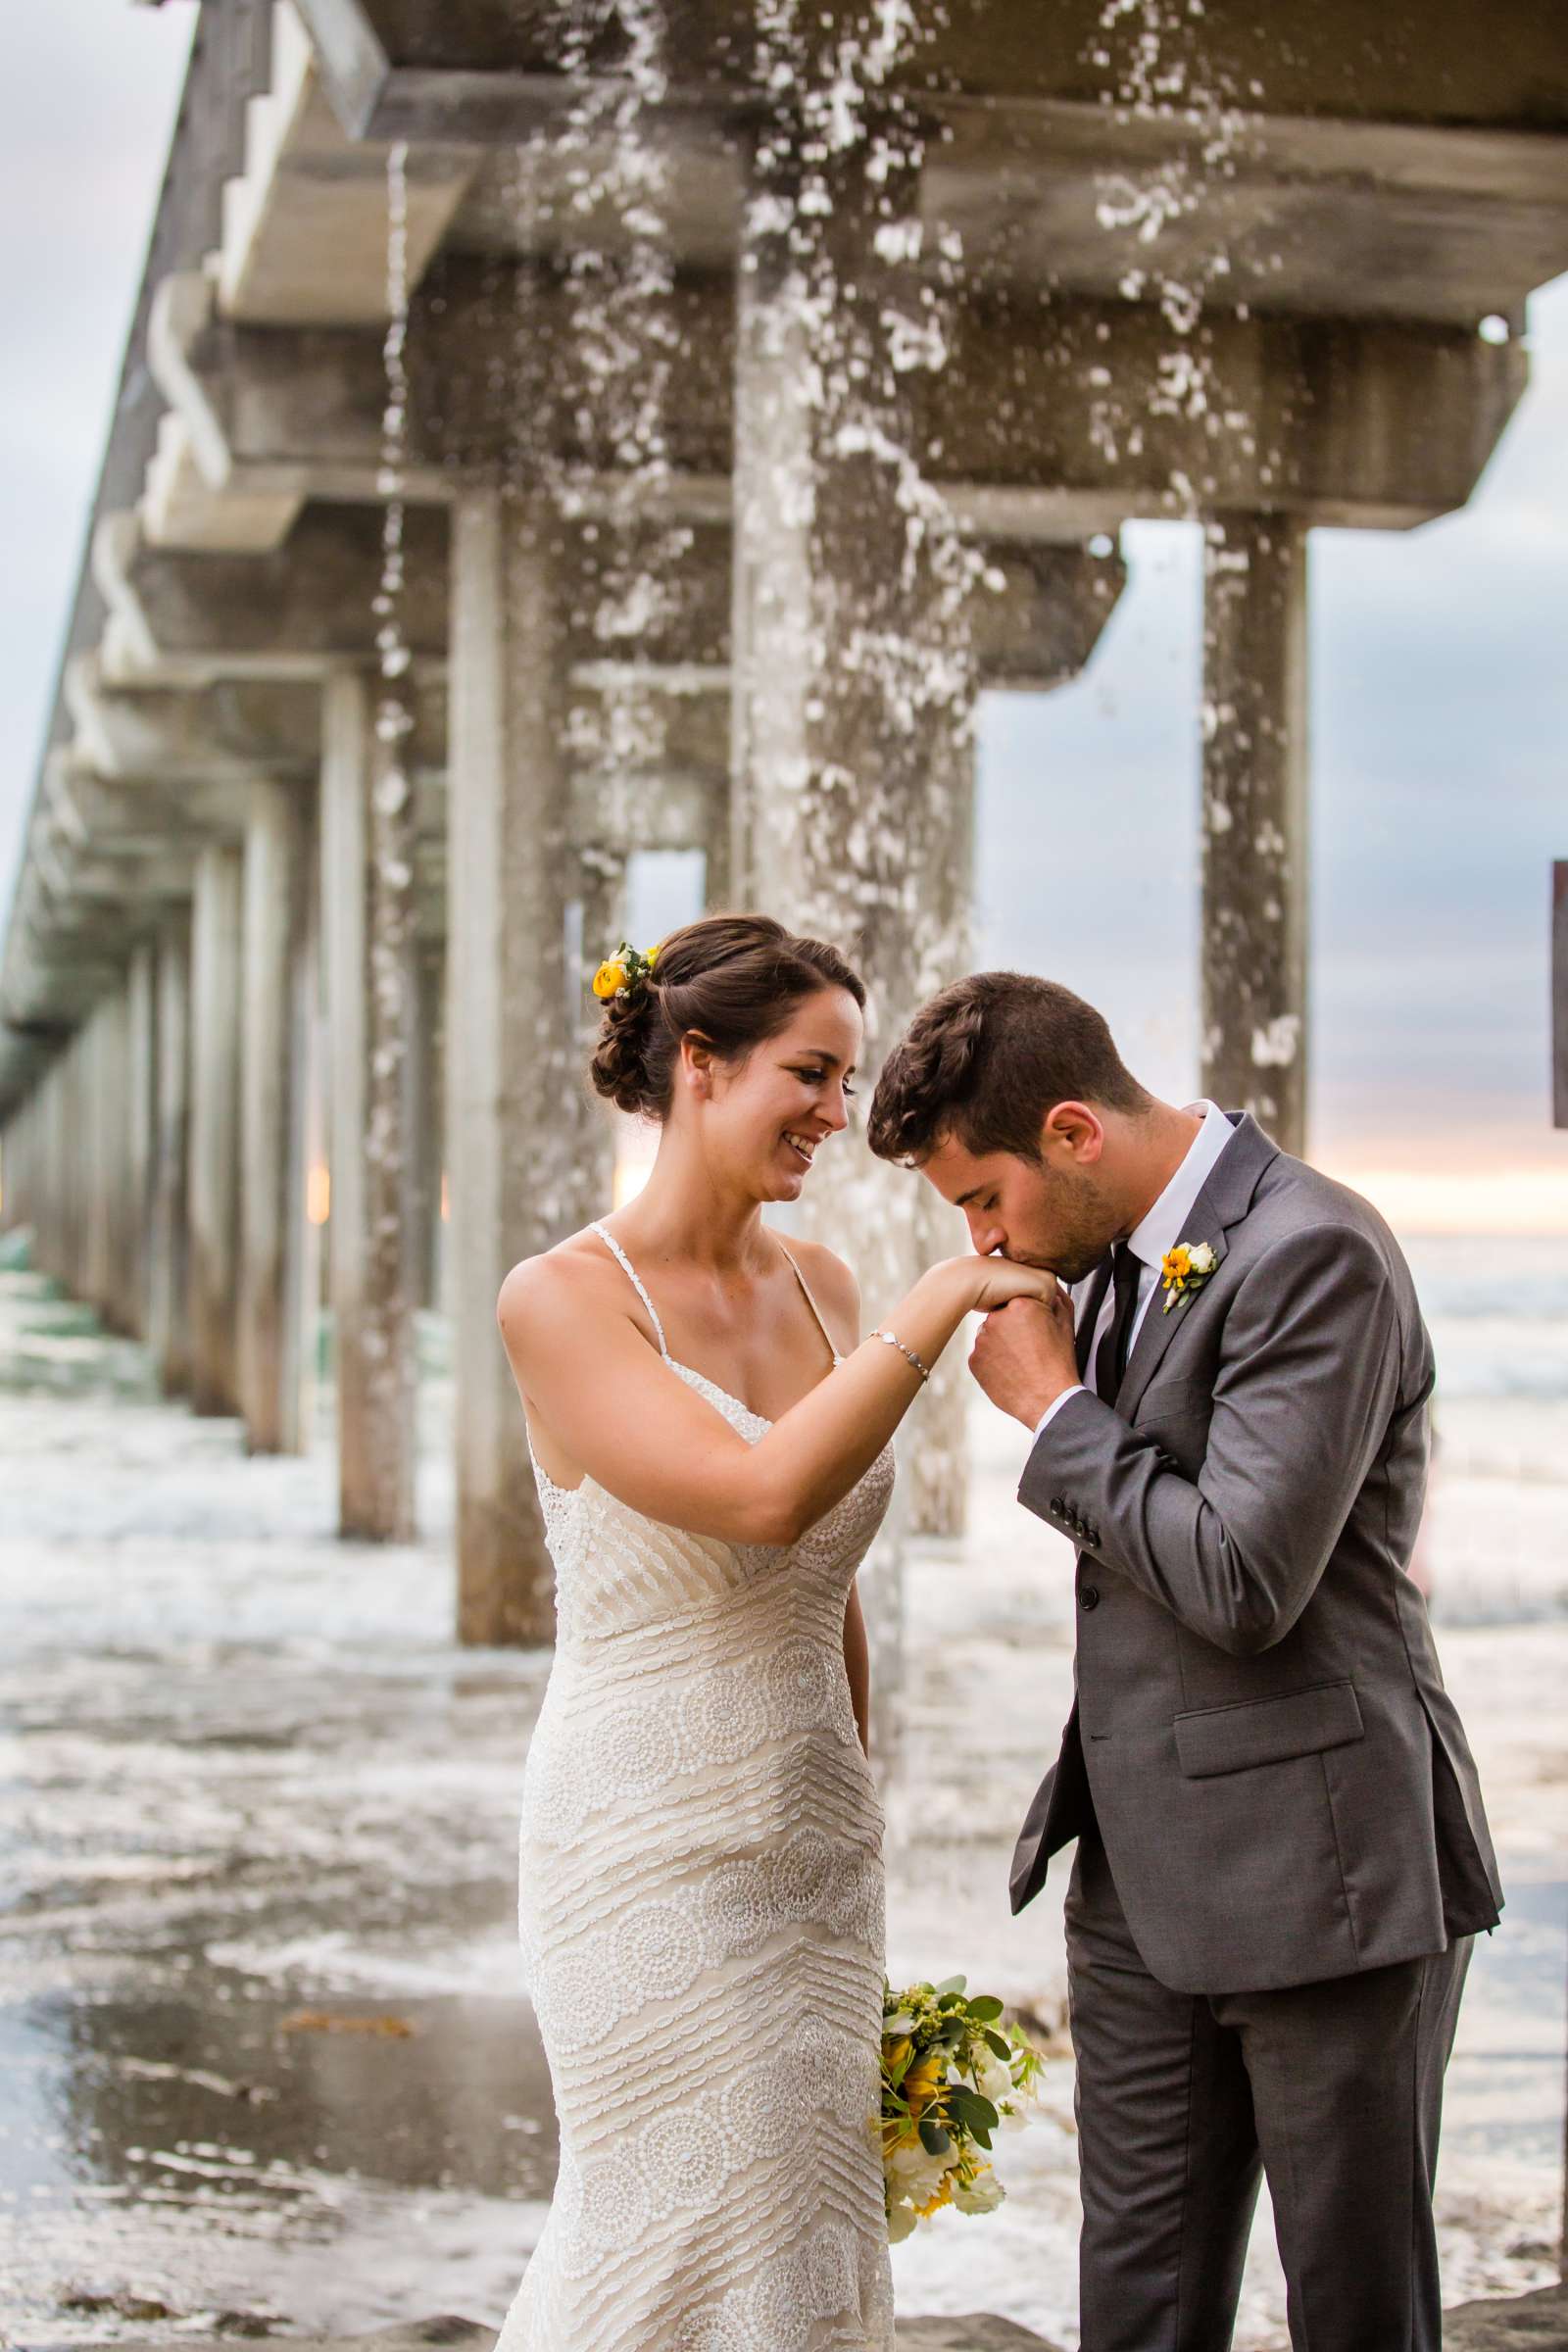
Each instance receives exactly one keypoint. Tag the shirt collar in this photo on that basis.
(1161, 1229)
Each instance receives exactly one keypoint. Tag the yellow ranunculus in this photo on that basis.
(609, 979)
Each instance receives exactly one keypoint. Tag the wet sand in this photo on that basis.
(266, 2062)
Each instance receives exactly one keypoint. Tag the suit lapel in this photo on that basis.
(1223, 1202)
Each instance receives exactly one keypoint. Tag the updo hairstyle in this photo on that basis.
(734, 978)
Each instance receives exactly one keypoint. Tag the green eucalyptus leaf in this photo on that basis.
(986, 2009)
(933, 2138)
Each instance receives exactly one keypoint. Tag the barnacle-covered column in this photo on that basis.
(214, 1183)
(168, 1218)
(516, 1176)
(853, 678)
(141, 1082)
(366, 831)
(1256, 820)
(428, 1138)
(276, 1259)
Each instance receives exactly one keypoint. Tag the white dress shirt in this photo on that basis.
(1160, 1230)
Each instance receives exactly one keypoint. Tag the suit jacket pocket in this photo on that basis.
(1267, 1730)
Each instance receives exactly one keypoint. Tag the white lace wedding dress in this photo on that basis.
(700, 1907)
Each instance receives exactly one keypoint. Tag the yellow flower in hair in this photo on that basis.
(609, 979)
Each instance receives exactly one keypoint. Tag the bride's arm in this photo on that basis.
(595, 1382)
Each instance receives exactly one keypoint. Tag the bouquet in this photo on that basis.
(951, 2077)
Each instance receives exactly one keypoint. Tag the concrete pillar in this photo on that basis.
(1254, 1001)
(274, 1237)
(854, 682)
(602, 884)
(214, 1181)
(79, 1163)
(518, 1181)
(429, 1089)
(141, 1083)
(367, 957)
(168, 1243)
(104, 1108)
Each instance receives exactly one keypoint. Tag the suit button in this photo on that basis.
(1056, 1507)
(1089, 1598)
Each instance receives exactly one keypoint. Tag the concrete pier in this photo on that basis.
(276, 1294)
(367, 961)
(141, 1132)
(168, 1243)
(517, 1183)
(1256, 817)
(216, 1046)
(854, 675)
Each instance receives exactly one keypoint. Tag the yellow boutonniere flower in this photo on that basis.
(1184, 1268)
(609, 979)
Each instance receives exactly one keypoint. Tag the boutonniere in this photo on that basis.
(1187, 1267)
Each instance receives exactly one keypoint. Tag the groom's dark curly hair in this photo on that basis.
(986, 1060)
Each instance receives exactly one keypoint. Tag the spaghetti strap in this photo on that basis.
(630, 1272)
(809, 1300)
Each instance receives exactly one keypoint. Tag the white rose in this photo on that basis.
(983, 2195)
(901, 2221)
(994, 2081)
(1202, 1260)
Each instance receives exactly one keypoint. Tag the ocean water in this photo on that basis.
(1495, 1544)
(1497, 1310)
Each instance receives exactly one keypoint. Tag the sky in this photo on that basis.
(1439, 703)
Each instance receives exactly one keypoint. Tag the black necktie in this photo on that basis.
(1110, 1357)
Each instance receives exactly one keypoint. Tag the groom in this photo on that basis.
(1281, 1852)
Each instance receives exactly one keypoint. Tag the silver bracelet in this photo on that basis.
(908, 1353)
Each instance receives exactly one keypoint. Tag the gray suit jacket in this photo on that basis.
(1261, 1734)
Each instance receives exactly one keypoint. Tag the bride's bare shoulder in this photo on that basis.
(833, 1286)
(578, 1273)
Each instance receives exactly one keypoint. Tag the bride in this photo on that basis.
(701, 1895)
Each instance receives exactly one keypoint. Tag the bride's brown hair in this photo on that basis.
(735, 979)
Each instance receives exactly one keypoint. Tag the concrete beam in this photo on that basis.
(1052, 417)
(305, 223)
(296, 613)
(394, 70)
(1327, 189)
(225, 732)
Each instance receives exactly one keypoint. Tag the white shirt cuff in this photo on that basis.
(1056, 1405)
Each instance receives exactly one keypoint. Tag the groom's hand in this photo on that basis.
(1023, 1355)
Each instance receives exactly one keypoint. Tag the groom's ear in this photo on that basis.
(1071, 1130)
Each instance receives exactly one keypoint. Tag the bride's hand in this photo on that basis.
(994, 1281)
